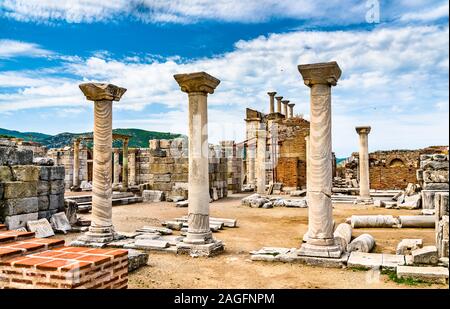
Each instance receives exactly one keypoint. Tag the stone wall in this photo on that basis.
(165, 167)
(441, 204)
(64, 157)
(390, 169)
(28, 192)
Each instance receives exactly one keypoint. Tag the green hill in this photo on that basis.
(139, 138)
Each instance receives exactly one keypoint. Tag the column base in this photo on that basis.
(364, 201)
(97, 237)
(207, 249)
(328, 251)
(198, 238)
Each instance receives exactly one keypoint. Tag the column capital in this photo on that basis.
(272, 94)
(102, 92)
(363, 130)
(291, 105)
(197, 82)
(327, 73)
(285, 101)
(279, 98)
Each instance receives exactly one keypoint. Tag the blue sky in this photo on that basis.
(394, 57)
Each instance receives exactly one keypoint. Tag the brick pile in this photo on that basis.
(27, 262)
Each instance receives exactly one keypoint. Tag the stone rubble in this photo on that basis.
(259, 201)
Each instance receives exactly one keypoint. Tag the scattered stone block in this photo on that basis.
(60, 223)
(425, 255)
(174, 225)
(343, 235)
(155, 229)
(374, 221)
(378, 203)
(412, 202)
(148, 236)
(365, 260)
(150, 244)
(182, 204)
(153, 196)
(434, 274)
(136, 259)
(41, 228)
(405, 246)
(392, 261)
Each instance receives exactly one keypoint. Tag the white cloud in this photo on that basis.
(428, 14)
(389, 78)
(12, 48)
(190, 11)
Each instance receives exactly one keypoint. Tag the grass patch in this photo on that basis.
(392, 275)
(359, 268)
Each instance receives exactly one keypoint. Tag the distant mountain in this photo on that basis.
(139, 138)
(340, 160)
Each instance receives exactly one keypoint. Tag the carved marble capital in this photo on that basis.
(291, 105)
(285, 102)
(363, 130)
(197, 82)
(320, 73)
(271, 94)
(279, 98)
(102, 92)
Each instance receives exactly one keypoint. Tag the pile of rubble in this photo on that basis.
(259, 201)
(410, 198)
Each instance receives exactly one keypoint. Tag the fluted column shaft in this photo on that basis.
(364, 178)
(116, 167)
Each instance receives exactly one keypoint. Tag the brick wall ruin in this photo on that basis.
(390, 169)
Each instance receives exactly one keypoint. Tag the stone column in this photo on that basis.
(197, 86)
(125, 165)
(261, 161)
(271, 102)
(285, 107)
(364, 182)
(132, 159)
(305, 237)
(116, 167)
(101, 229)
(251, 163)
(291, 110)
(76, 163)
(279, 98)
(320, 77)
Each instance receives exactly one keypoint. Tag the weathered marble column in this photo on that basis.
(291, 110)
(279, 98)
(261, 161)
(116, 167)
(132, 165)
(101, 229)
(125, 165)
(76, 163)
(285, 107)
(197, 86)
(305, 237)
(320, 77)
(364, 182)
(271, 102)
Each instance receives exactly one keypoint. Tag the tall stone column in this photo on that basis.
(197, 86)
(285, 107)
(251, 163)
(291, 110)
(279, 98)
(76, 163)
(364, 182)
(320, 77)
(261, 161)
(132, 159)
(116, 167)
(125, 165)
(271, 102)
(305, 237)
(101, 229)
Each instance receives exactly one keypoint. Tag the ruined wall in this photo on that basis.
(390, 169)
(165, 166)
(64, 157)
(28, 192)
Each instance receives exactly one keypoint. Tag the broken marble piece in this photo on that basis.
(405, 246)
(425, 255)
(136, 259)
(417, 221)
(373, 221)
(41, 228)
(60, 223)
(150, 244)
(155, 229)
(362, 243)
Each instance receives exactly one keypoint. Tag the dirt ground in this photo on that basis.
(276, 227)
